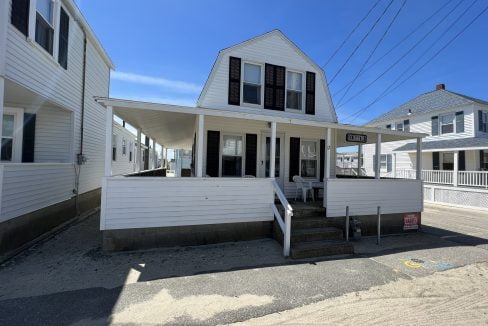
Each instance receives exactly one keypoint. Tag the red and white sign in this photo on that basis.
(411, 221)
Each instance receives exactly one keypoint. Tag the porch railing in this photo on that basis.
(285, 224)
(463, 178)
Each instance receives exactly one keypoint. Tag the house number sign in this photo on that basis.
(356, 138)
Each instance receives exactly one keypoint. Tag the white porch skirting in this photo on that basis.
(145, 202)
(456, 196)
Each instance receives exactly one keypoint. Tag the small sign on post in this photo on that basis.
(410, 221)
(356, 138)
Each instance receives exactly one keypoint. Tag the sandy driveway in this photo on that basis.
(454, 297)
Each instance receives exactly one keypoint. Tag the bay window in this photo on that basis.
(45, 24)
(251, 87)
(447, 123)
(293, 90)
(232, 156)
(308, 159)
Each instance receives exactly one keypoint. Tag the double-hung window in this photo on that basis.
(447, 123)
(232, 156)
(399, 126)
(386, 161)
(294, 90)
(124, 146)
(483, 121)
(45, 24)
(308, 159)
(114, 147)
(251, 86)
(11, 143)
(131, 148)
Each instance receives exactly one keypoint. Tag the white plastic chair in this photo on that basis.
(304, 186)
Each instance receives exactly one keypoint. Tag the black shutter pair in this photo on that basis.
(435, 126)
(310, 93)
(20, 15)
(274, 87)
(28, 137)
(459, 122)
(435, 161)
(63, 39)
(234, 81)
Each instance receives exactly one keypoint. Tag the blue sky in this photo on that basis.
(164, 50)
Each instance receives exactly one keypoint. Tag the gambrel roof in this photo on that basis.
(428, 102)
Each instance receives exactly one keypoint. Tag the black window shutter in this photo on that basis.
(294, 158)
(28, 137)
(310, 93)
(406, 125)
(274, 87)
(63, 39)
(280, 73)
(388, 126)
(462, 161)
(213, 147)
(269, 73)
(20, 15)
(234, 81)
(480, 120)
(322, 159)
(435, 161)
(251, 153)
(435, 126)
(460, 122)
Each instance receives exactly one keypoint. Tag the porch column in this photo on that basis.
(419, 159)
(109, 117)
(200, 129)
(272, 153)
(377, 170)
(139, 151)
(328, 134)
(155, 163)
(456, 169)
(394, 165)
(360, 153)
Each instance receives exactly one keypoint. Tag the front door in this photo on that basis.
(265, 158)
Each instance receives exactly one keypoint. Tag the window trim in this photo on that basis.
(261, 65)
(317, 172)
(18, 134)
(287, 109)
(385, 170)
(453, 122)
(243, 154)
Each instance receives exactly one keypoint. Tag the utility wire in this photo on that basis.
(374, 50)
(361, 42)
(359, 112)
(401, 57)
(428, 19)
(350, 34)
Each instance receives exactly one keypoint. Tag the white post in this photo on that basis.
(327, 162)
(456, 169)
(139, 151)
(419, 159)
(109, 116)
(200, 135)
(360, 153)
(378, 157)
(394, 165)
(272, 153)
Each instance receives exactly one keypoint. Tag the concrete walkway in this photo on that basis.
(69, 280)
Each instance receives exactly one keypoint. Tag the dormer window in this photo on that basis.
(45, 24)
(251, 93)
(294, 90)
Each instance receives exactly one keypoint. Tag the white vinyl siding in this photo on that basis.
(123, 165)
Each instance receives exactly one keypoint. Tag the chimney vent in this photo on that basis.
(440, 86)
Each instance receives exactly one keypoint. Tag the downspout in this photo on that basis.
(80, 159)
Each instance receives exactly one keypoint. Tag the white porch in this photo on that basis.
(249, 195)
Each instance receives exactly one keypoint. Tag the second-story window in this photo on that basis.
(447, 123)
(293, 90)
(399, 126)
(44, 24)
(252, 84)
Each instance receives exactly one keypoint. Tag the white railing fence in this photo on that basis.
(285, 224)
(463, 178)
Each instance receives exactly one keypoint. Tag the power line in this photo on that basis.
(401, 57)
(350, 34)
(428, 19)
(358, 113)
(361, 42)
(374, 49)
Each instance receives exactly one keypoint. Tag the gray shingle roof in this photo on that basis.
(428, 102)
(446, 144)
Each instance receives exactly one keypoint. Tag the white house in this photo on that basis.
(263, 118)
(455, 152)
(52, 149)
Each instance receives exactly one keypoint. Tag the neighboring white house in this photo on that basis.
(454, 154)
(51, 68)
(124, 145)
(263, 118)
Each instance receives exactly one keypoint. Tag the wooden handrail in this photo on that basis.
(286, 224)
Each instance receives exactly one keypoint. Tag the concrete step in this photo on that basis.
(321, 248)
(308, 223)
(315, 234)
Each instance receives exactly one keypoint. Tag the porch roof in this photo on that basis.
(174, 125)
(460, 144)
